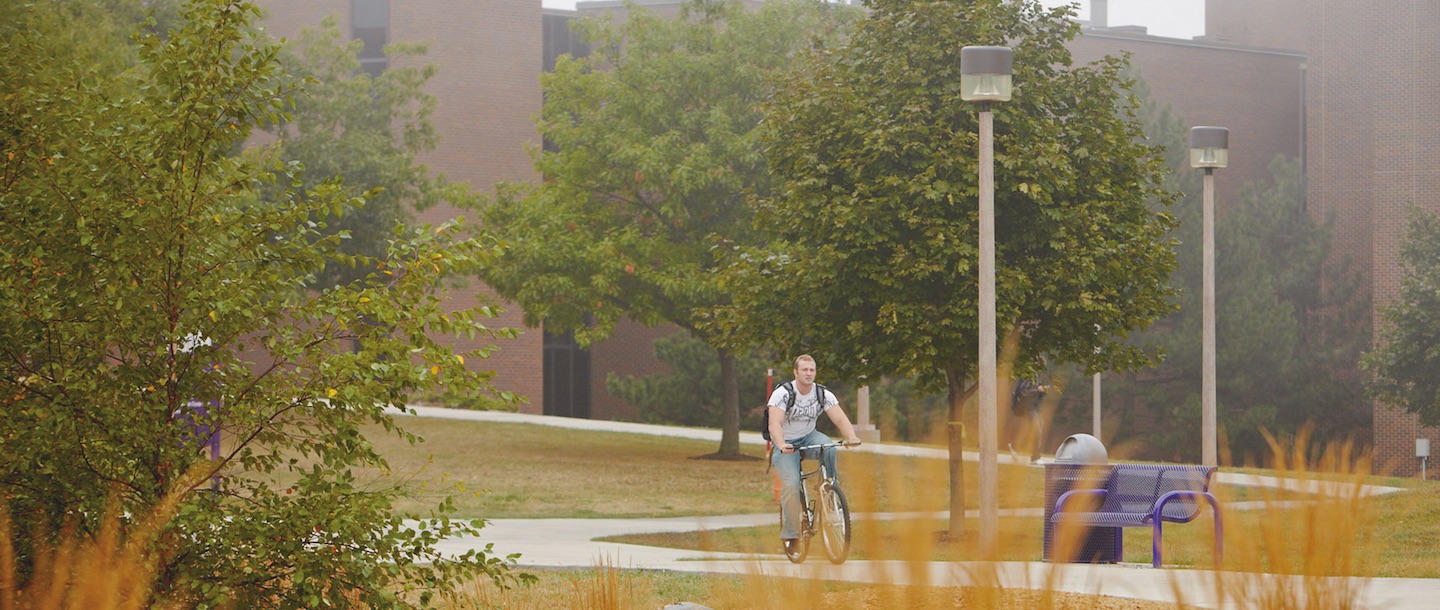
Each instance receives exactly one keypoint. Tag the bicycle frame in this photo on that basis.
(828, 514)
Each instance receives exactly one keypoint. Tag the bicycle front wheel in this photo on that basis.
(835, 524)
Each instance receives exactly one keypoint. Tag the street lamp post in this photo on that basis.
(1209, 149)
(1095, 406)
(985, 78)
(1095, 387)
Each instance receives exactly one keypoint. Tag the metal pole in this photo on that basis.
(1207, 356)
(1095, 401)
(862, 407)
(989, 443)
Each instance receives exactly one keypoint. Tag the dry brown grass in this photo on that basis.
(528, 471)
(1312, 554)
(1313, 548)
(113, 569)
(525, 471)
(1279, 557)
(649, 590)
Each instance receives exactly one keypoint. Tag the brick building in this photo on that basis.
(486, 98)
(1255, 92)
(1345, 84)
(1372, 130)
(490, 55)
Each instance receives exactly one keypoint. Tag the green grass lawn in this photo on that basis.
(497, 470)
(516, 470)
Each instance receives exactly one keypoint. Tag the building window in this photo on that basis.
(370, 22)
(559, 39)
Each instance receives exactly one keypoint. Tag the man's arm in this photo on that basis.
(777, 433)
(842, 423)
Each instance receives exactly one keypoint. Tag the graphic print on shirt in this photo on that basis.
(800, 419)
(806, 409)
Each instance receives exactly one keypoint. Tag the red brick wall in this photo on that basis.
(630, 351)
(1391, 80)
(1254, 93)
(1372, 130)
(617, 10)
(1340, 159)
(488, 53)
(285, 19)
(1395, 433)
(488, 87)
(1368, 128)
(1260, 23)
(1371, 135)
(1371, 70)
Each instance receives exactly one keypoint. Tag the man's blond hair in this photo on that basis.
(802, 358)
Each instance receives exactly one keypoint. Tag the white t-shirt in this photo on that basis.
(800, 419)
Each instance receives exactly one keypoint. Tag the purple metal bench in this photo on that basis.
(1136, 495)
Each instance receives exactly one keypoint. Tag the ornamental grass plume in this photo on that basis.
(1314, 553)
(113, 568)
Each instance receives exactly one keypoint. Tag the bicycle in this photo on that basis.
(826, 513)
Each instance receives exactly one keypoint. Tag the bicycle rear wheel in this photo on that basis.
(835, 523)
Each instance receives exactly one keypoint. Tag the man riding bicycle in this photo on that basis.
(795, 427)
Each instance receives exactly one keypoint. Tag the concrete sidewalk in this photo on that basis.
(571, 543)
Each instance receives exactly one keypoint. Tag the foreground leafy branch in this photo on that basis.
(152, 297)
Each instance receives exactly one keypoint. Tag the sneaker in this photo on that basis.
(792, 546)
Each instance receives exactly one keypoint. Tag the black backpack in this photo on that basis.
(1026, 397)
(789, 403)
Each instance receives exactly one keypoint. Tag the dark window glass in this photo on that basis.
(370, 22)
(560, 40)
(370, 13)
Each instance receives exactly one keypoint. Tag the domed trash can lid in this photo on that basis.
(1082, 449)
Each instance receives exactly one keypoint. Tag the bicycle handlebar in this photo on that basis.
(828, 445)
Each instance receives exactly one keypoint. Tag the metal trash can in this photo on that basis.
(1081, 462)
(1082, 449)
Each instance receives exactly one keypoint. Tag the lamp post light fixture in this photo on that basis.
(985, 78)
(1209, 149)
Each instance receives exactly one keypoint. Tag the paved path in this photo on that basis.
(572, 543)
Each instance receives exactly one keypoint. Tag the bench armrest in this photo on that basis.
(1097, 494)
(1183, 494)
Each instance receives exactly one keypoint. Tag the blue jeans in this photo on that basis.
(788, 467)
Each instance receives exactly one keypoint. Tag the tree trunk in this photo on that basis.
(729, 405)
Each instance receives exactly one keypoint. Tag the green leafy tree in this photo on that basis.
(368, 130)
(1283, 366)
(1287, 337)
(685, 395)
(655, 145)
(905, 415)
(143, 276)
(1288, 324)
(1405, 358)
(874, 232)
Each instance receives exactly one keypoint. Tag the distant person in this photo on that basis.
(795, 427)
(1026, 400)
